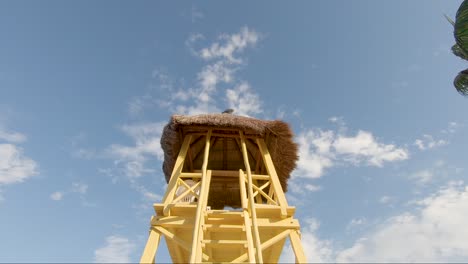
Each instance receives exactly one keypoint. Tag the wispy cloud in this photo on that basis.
(436, 232)
(76, 187)
(15, 167)
(321, 149)
(56, 196)
(243, 99)
(132, 159)
(217, 83)
(11, 136)
(437, 172)
(229, 45)
(196, 14)
(117, 249)
(428, 142)
(315, 249)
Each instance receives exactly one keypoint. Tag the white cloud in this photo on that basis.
(428, 142)
(12, 137)
(436, 232)
(314, 153)
(386, 199)
(423, 176)
(196, 14)
(80, 188)
(356, 223)
(451, 128)
(364, 147)
(234, 43)
(57, 196)
(312, 188)
(14, 165)
(438, 171)
(319, 150)
(76, 187)
(243, 100)
(315, 249)
(116, 250)
(215, 84)
(147, 144)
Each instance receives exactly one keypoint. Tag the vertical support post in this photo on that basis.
(253, 212)
(151, 247)
(178, 166)
(273, 176)
(297, 246)
(245, 214)
(195, 252)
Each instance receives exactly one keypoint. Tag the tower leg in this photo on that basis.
(297, 247)
(151, 247)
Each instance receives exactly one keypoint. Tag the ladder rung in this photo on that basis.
(223, 227)
(224, 242)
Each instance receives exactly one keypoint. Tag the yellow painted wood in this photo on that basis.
(248, 235)
(297, 246)
(195, 252)
(187, 191)
(274, 177)
(255, 234)
(179, 164)
(151, 247)
(247, 223)
(253, 212)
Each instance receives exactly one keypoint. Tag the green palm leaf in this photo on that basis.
(461, 27)
(461, 82)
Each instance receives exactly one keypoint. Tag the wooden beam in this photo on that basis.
(274, 176)
(264, 245)
(178, 166)
(246, 216)
(195, 252)
(295, 238)
(151, 247)
(253, 212)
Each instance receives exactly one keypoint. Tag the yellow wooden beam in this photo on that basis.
(273, 175)
(297, 247)
(265, 245)
(196, 249)
(247, 223)
(253, 212)
(178, 166)
(151, 247)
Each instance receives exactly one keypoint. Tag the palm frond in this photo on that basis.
(457, 51)
(461, 26)
(461, 82)
(449, 20)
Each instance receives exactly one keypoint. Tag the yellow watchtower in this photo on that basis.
(225, 197)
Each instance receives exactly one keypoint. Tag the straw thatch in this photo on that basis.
(225, 153)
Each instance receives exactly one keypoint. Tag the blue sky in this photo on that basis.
(85, 88)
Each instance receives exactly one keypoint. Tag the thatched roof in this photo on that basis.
(225, 151)
(278, 136)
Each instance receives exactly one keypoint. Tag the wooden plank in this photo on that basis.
(259, 190)
(274, 177)
(248, 236)
(171, 236)
(247, 221)
(173, 222)
(264, 245)
(253, 213)
(179, 164)
(151, 247)
(297, 247)
(195, 252)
